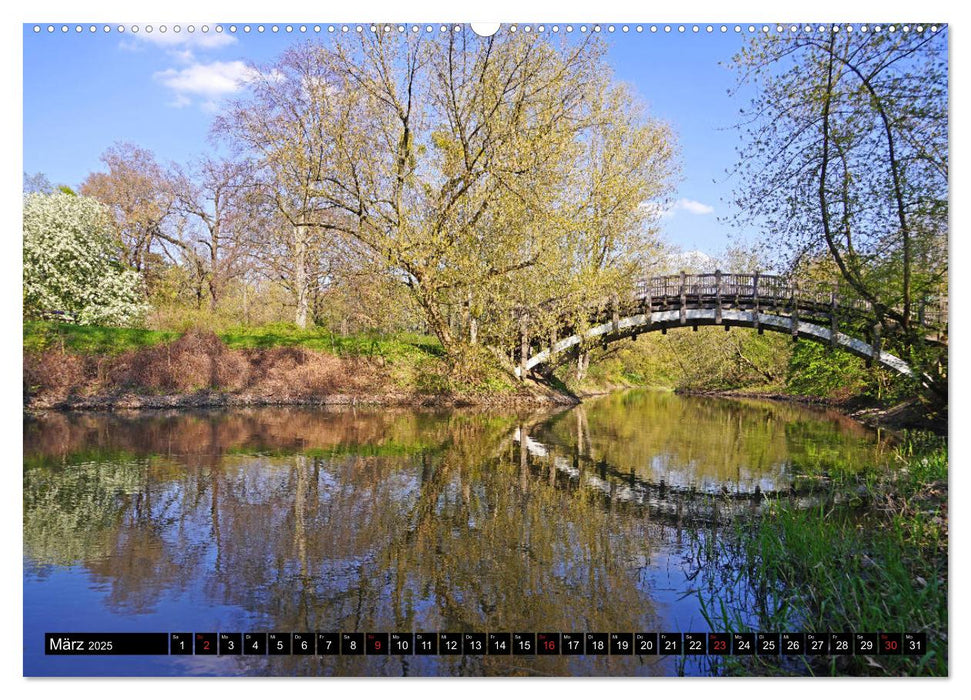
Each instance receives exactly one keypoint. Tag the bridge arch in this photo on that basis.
(635, 324)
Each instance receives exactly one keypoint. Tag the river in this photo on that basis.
(402, 520)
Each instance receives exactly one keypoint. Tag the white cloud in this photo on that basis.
(693, 207)
(181, 46)
(171, 40)
(180, 101)
(207, 81)
(210, 82)
(666, 212)
(183, 55)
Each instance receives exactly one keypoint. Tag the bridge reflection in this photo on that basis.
(672, 503)
(685, 460)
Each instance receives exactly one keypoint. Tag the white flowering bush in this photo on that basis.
(70, 263)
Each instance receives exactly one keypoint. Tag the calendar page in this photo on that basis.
(466, 349)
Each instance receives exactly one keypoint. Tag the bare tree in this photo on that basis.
(216, 198)
(284, 126)
(138, 192)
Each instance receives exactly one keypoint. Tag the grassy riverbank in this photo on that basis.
(71, 366)
(879, 565)
(105, 340)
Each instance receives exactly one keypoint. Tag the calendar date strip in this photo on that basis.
(484, 643)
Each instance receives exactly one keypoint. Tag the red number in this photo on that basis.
(719, 645)
(205, 645)
(377, 644)
(549, 645)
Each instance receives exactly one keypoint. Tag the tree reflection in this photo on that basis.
(388, 520)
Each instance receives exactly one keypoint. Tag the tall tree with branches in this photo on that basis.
(466, 168)
(215, 200)
(845, 158)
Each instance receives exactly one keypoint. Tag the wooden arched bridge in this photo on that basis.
(763, 302)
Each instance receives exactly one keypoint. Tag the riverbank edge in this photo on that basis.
(199, 370)
(536, 396)
(902, 416)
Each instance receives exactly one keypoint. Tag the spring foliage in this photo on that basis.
(486, 177)
(71, 265)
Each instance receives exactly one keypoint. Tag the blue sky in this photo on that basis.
(84, 91)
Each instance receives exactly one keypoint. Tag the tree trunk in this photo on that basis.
(213, 296)
(214, 265)
(583, 363)
(300, 274)
(438, 323)
(473, 322)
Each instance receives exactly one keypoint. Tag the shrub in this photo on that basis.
(70, 264)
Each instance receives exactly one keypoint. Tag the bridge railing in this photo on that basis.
(777, 290)
(812, 302)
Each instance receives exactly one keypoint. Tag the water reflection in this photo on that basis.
(394, 520)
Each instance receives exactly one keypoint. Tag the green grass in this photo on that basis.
(389, 346)
(89, 340)
(827, 569)
(101, 340)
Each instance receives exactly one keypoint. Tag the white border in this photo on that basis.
(603, 11)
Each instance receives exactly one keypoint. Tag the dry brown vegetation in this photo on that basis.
(200, 364)
(199, 369)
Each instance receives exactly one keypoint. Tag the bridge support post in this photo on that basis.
(615, 313)
(755, 299)
(876, 342)
(683, 313)
(583, 362)
(942, 318)
(833, 323)
(523, 347)
(718, 296)
(794, 310)
(648, 309)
